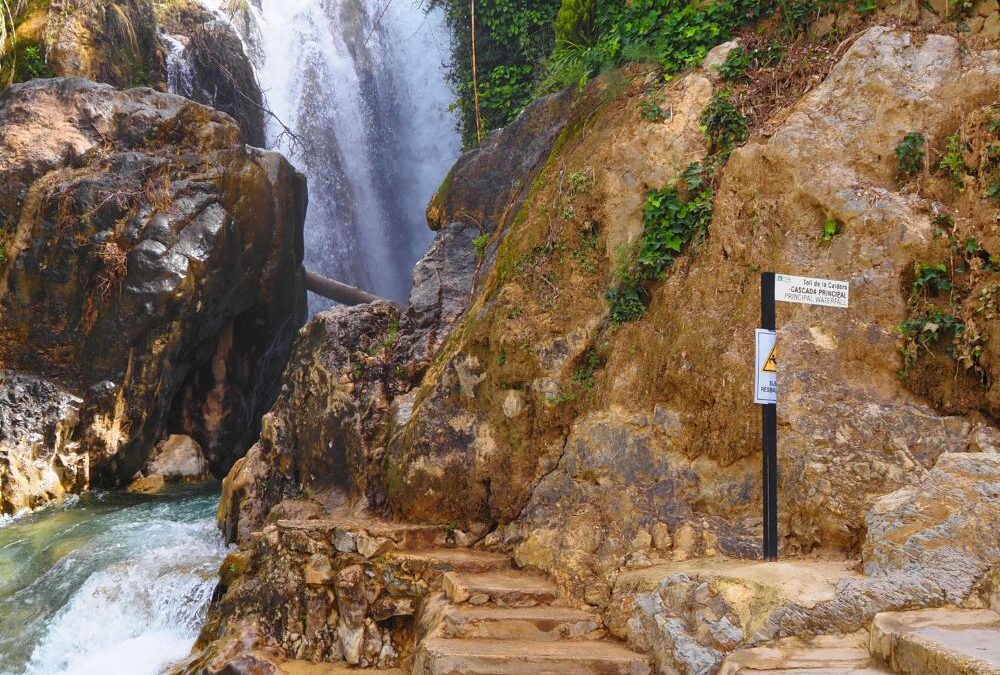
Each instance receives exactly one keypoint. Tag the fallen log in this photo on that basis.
(338, 292)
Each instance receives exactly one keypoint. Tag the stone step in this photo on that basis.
(938, 641)
(502, 589)
(442, 560)
(529, 623)
(826, 654)
(313, 668)
(439, 656)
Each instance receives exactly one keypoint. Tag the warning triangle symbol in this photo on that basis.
(771, 365)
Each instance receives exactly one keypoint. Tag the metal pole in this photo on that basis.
(769, 419)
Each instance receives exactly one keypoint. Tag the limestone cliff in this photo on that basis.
(151, 283)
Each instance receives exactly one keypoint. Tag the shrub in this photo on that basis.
(740, 61)
(910, 155)
(831, 228)
(674, 217)
(725, 126)
(953, 163)
(479, 245)
(626, 302)
(931, 278)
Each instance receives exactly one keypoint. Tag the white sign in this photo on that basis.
(765, 381)
(808, 291)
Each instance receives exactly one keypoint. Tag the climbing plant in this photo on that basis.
(513, 38)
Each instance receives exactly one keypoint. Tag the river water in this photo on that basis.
(108, 584)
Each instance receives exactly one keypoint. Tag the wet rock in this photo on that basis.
(148, 484)
(39, 459)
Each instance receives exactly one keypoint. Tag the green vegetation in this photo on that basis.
(627, 303)
(674, 218)
(528, 47)
(831, 228)
(724, 125)
(574, 23)
(583, 376)
(513, 38)
(910, 155)
(479, 245)
(651, 108)
(925, 330)
(580, 182)
(953, 163)
(932, 279)
(993, 190)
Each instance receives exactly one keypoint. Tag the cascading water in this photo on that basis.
(109, 585)
(362, 85)
(179, 74)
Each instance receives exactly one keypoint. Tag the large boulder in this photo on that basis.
(151, 268)
(323, 434)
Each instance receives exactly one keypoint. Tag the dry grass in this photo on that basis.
(114, 267)
(157, 191)
(122, 19)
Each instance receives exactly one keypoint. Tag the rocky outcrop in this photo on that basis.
(323, 435)
(164, 44)
(932, 544)
(472, 193)
(151, 270)
(113, 42)
(38, 457)
(616, 456)
(210, 66)
(583, 439)
(350, 384)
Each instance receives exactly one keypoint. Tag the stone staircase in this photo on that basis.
(920, 642)
(506, 622)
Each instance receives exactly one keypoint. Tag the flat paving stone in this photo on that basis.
(942, 641)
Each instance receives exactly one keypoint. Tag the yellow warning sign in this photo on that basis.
(771, 365)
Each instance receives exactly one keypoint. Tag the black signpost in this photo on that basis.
(781, 288)
(769, 418)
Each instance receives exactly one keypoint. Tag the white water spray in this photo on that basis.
(114, 586)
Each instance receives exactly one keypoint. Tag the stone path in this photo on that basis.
(506, 622)
(920, 642)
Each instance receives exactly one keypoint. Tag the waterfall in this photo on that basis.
(362, 85)
(179, 75)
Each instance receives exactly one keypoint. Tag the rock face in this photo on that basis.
(157, 43)
(324, 432)
(113, 42)
(350, 383)
(213, 68)
(583, 439)
(151, 271)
